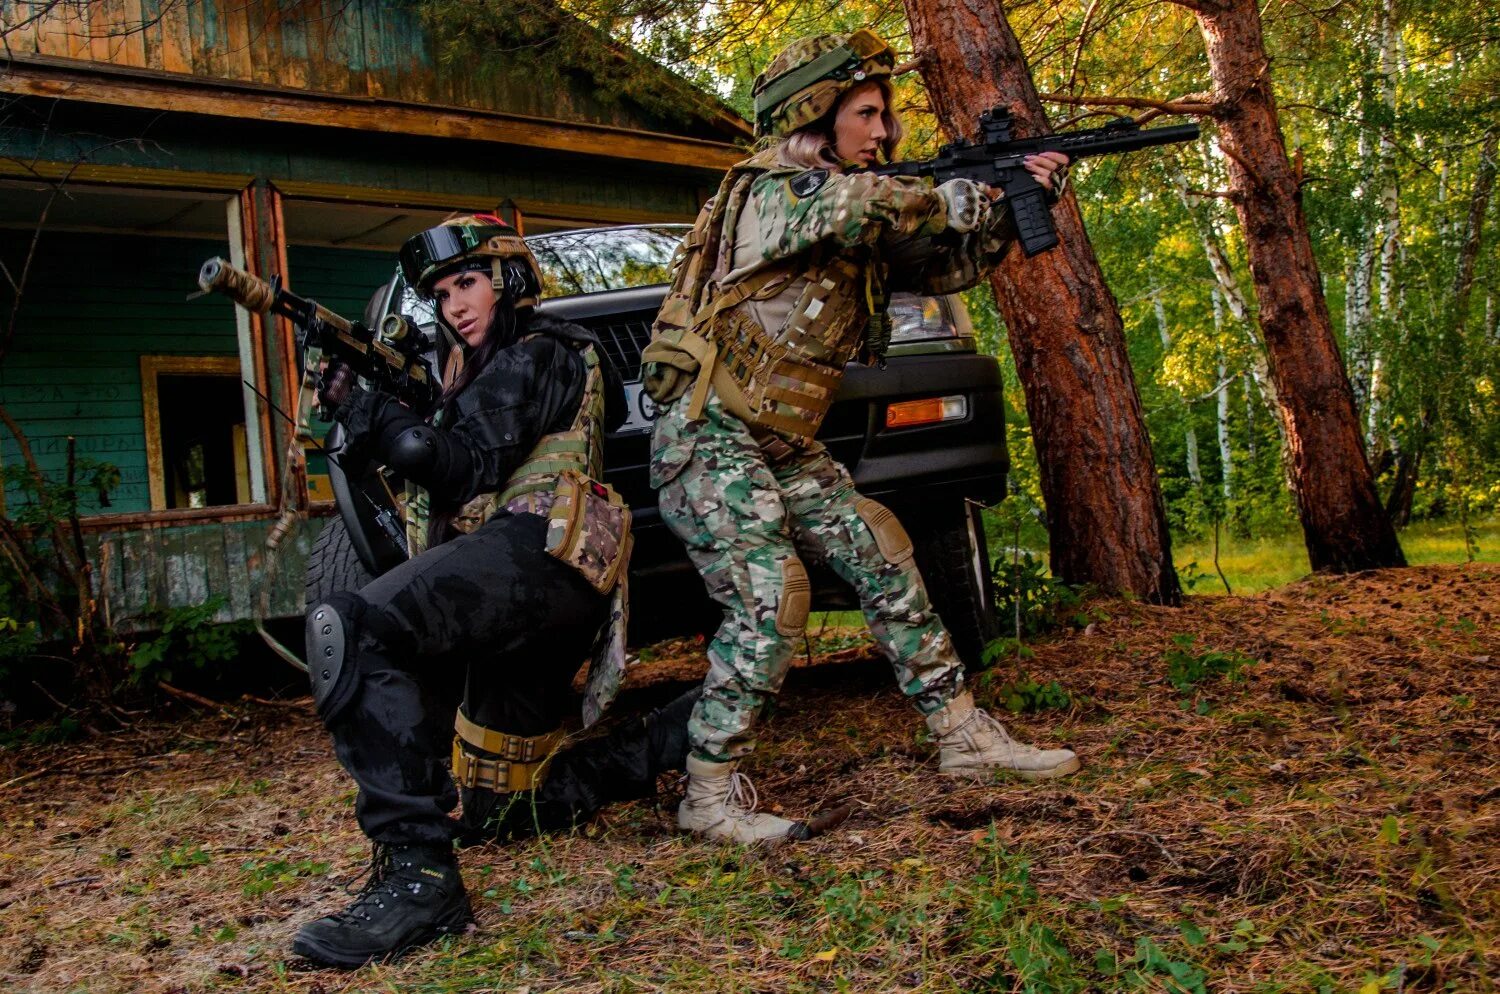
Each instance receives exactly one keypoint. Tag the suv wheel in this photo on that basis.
(955, 564)
(333, 565)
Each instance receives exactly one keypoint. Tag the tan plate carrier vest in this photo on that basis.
(782, 381)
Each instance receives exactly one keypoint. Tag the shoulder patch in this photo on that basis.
(808, 183)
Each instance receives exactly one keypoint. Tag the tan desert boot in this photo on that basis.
(975, 745)
(720, 804)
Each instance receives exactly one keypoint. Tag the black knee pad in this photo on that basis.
(333, 630)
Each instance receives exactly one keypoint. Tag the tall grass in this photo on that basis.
(1255, 564)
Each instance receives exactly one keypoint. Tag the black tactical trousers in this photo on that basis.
(489, 618)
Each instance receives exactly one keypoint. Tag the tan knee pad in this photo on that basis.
(796, 598)
(890, 537)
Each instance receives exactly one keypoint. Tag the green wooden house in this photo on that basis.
(307, 139)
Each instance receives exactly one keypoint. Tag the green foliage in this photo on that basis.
(261, 877)
(1029, 695)
(18, 640)
(1187, 669)
(185, 857)
(189, 637)
(45, 501)
(1025, 589)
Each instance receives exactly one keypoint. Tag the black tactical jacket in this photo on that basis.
(528, 389)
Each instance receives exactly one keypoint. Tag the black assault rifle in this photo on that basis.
(394, 361)
(995, 159)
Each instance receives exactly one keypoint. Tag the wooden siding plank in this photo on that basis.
(176, 42)
(198, 544)
(172, 581)
(138, 565)
(242, 603)
(133, 50)
(237, 31)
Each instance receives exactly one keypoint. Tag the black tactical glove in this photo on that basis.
(335, 384)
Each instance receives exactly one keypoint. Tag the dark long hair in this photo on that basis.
(506, 325)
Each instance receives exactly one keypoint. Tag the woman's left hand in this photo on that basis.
(1049, 168)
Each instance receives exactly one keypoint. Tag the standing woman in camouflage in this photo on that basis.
(784, 279)
(513, 582)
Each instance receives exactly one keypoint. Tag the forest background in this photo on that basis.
(1390, 115)
(1287, 792)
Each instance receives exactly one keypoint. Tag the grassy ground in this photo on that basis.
(1253, 565)
(1289, 792)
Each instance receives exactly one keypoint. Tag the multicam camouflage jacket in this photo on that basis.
(786, 266)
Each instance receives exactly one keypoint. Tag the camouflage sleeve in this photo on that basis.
(801, 210)
(948, 262)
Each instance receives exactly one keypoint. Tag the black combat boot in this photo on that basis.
(414, 895)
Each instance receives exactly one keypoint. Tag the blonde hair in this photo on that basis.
(811, 146)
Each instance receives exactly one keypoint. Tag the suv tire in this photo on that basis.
(332, 565)
(955, 565)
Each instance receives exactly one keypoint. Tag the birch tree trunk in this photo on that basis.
(1390, 205)
(1189, 433)
(1226, 454)
(1098, 476)
(1450, 343)
(1343, 524)
(1218, 263)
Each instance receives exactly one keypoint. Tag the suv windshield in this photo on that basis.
(592, 259)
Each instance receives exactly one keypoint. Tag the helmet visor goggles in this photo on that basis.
(426, 253)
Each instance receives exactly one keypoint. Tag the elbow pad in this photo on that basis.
(414, 452)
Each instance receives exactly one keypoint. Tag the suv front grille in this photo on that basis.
(623, 341)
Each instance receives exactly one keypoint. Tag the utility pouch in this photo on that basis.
(589, 529)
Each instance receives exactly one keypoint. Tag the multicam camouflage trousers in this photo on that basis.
(745, 523)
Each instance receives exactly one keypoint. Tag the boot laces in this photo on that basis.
(991, 724)
(376, 889)
(742, 799)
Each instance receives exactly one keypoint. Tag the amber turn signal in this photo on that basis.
(930, 410)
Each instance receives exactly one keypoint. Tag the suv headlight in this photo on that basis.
(920, 319)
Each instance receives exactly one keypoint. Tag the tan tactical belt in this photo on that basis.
(517, 762)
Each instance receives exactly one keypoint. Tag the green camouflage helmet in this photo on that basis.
(805, 81)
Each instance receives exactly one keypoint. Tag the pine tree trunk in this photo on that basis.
(1343, 524)
(1098, 476)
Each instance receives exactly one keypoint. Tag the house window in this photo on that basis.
(196, 450)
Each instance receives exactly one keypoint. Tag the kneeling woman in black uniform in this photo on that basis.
(518, 553)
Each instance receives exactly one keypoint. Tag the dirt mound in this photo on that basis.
(1292, 791)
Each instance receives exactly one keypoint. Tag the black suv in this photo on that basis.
(925, 436)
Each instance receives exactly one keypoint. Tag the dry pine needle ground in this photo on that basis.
(1326, 822)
